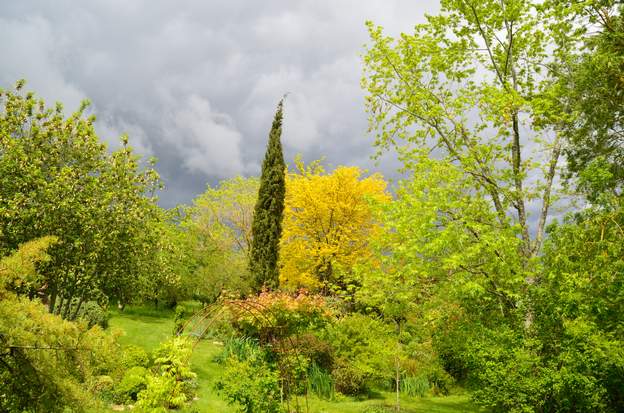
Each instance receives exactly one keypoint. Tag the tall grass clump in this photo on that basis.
(321, 382)
(415, 386)
(241, 348)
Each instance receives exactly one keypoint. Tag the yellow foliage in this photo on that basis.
(328, 224)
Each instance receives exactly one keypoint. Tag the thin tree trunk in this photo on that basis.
(59, 307)
(550, 175)
(52, 302)
(398, 367)
(78, 306)
(67, 307)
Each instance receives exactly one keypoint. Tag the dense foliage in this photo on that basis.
(328, 225)
(219, 238)
(458, 275)
(46, 363)
(57, 178)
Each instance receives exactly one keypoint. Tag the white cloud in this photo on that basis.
(207, 139)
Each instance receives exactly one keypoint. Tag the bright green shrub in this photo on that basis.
(173, 383)
(363, 353)
(161, 393)
(134, 356)
(131, 384)
(250, 384)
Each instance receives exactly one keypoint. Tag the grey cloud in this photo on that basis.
(196, 83)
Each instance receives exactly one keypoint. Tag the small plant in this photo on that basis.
(179, 319)
(240, 348)
(91, 312)
(415, 386)
(349, 380)
(174, 383)
(321, 382)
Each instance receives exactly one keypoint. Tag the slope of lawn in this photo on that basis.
(148, 327)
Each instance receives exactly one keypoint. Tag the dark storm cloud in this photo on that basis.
(195, 83)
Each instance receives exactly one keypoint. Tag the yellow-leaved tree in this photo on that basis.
(328, 225)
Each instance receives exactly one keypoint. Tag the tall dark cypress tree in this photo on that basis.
(268, 213)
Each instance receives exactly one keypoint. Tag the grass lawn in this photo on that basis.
(148, 327)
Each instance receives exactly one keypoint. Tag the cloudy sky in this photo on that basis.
(195, 83)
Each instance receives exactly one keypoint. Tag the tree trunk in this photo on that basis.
(75, 314)
(398, 368)
(52, 303)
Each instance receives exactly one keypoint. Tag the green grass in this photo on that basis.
(148, 327)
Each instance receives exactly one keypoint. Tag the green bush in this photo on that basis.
(349, 380)
(134, 356)
(174, 382)
(439, 380)
(93, 314)
(104, 387)
(251, 384)
(132, 383)
(362, 347)
(179, 318)
(161, 393)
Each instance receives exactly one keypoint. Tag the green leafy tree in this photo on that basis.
(591, 86)
(57, 178)
(468, 84)
(472, 101)
(268, 213)
(218, 230)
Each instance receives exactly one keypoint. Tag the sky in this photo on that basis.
(195, 83)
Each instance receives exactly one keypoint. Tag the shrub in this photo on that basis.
(92, 313)
(362, 347)
(349, 380)
(174, 383)
(179, 319)
(251, 384)
(132, 383)
(318, 351)
(439, 380)
(134, 356)
(161, 393)
(103, 386)
(272, 316)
